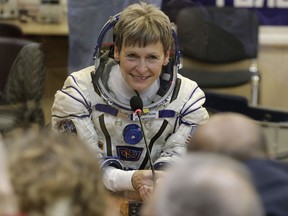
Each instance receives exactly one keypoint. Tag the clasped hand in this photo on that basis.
(143, 182)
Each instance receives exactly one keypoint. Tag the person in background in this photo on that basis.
(8, 202)
(205, 184)
(172, 7)
(96, 102)
(91, 15)
(55, 175)
(241, 138)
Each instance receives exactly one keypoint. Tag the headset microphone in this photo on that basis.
(136, 104)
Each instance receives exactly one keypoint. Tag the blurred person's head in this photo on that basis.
(232, 134)
(56, 174)
(205, 184)
(8, 204)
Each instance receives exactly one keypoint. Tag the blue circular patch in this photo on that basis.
(132, 134)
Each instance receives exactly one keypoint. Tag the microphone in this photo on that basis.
(136, 104)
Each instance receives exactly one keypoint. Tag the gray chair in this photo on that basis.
(213, 38)
(20, 105)
(9, 49)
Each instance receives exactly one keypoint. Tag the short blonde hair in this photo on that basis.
(142, 24)
(45, 167)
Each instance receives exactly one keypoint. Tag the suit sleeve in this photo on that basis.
(73, 105)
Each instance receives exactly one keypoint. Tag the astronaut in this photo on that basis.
(95, 101)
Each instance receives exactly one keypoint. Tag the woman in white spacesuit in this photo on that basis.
(95, 102)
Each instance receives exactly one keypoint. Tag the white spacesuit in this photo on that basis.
(115, 134)
(95, 104)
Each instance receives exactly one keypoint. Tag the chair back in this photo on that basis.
(10, 48)
(218, 35)
(21, 105)
(220, 47)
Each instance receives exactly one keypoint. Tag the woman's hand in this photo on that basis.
(143, 182)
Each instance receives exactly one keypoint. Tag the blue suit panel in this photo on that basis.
(271, 180)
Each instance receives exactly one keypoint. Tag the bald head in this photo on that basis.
(230, 133)
(205, 184)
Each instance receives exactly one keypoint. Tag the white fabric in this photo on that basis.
(118, 180)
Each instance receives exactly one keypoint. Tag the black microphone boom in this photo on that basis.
(136, 104)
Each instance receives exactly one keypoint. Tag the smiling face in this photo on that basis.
(141, 66)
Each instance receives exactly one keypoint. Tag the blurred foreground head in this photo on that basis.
(232, 134)
(55, 174)
(8, 203)
(205, 184)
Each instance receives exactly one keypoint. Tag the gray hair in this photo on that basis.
(206, 184)
(142, 24)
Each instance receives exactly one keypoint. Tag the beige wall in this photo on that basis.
(273, 64)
